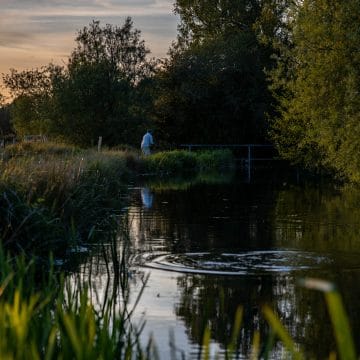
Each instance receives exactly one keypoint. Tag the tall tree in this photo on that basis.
(213, 93)
(214, 88)
(319, 79)
(98, 95)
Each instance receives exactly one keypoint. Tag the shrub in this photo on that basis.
(182, 161)
(172, 162)
(211, 160)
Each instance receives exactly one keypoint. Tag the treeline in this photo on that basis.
(240, 71)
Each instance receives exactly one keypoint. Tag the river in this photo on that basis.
(209, 246)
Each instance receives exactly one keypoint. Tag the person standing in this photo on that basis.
(146, 143)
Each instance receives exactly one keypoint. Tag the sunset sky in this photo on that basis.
(36, 32)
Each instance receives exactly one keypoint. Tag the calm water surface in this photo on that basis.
(210, 247)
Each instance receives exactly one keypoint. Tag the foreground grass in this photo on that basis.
(46, 317)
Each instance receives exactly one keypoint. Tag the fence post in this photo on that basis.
(99, 143)
(249, 162)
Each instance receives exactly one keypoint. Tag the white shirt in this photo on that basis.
(147, 140)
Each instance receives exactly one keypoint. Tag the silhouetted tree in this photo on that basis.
(98, 95)
(32, 90)
(214, 87)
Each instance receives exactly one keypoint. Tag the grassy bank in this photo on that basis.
(179, 162)
(53, 196)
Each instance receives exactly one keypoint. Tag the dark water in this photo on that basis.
(212, 247)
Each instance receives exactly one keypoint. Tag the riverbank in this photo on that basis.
(55, 196)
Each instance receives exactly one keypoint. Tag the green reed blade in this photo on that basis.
(281, 332)
(339, 319)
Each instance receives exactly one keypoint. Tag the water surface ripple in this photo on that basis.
(244, 263)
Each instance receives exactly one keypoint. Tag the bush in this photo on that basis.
(211, 160)
(171, 162)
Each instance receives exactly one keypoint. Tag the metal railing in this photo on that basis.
(249, 158)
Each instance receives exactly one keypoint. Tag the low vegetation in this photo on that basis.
(179, 162)
(44, 315)
(53, 195)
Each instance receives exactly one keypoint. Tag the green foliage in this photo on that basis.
(29, 228)
(282, 333)
(201, 19)
(339, 319)
(318, 77)
(171, 162)
(185, 162)
(44, 316)
(212, 160)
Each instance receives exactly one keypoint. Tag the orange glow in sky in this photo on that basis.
(36, 32)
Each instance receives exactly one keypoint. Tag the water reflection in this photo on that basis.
(273, 233)
(147, 197)
(296, 222)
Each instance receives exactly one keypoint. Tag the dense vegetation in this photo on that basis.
(318, 80)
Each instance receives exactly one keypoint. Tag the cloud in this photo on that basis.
(39, 31)
(8, 38)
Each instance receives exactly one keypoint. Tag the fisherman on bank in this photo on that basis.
(147, 141)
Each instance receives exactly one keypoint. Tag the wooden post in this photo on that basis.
(249, 162)
(99, 143)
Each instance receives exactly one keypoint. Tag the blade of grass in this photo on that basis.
(339, 319)
(235, 332)
(255, 350)
(281, 332)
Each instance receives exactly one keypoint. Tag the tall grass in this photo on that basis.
(44, 315)
(52, 195)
